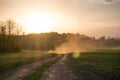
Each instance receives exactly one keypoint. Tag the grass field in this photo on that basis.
(96, 65)
(12, 60)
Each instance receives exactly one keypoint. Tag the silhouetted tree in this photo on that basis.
(9, 34)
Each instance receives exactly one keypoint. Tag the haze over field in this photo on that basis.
(90, 17)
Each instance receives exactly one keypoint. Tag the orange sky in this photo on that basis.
(90, 17)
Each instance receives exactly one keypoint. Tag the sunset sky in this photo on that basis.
(90, 17)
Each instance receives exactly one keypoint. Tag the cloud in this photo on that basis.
(108, 1)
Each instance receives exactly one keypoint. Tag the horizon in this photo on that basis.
(91, 17)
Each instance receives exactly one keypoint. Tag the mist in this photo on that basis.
(82, 43)
(74, 43)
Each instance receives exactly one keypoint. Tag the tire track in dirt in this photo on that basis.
(59, 71)
(21, 72)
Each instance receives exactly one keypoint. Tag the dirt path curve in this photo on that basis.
(22, 71)
(59, 71)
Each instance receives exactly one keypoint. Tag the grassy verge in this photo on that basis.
(39, 71)
(12, 60)
(96, 65)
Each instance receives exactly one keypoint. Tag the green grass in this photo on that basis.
(39, 71)
(96, 65)
(12, 60)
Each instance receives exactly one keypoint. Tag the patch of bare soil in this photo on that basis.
(60, 71)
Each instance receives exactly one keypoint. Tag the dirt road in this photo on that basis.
(60, 71)
(21, 72)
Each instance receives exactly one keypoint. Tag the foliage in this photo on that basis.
(43, 41)
(9, 34)
(53, 40)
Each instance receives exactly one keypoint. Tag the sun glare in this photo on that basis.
(38, 23)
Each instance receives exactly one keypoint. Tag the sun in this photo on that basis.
(39, 22)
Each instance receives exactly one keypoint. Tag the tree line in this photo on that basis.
(53, 40)
(11, 40)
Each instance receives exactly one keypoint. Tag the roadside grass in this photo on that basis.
(39, 71)
(12, 60)
(96, 65)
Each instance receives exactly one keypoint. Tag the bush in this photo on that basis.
(15, 48)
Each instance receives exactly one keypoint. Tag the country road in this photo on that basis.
(60, 71)
(21, 72)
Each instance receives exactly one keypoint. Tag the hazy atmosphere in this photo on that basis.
(89, 17)
(59, 39)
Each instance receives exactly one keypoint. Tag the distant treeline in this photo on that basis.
(12, 40)
(54, 40)
(43, 41)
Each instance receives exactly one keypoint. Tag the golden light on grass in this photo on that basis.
(76, 55)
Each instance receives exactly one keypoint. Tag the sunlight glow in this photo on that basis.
(39, 22)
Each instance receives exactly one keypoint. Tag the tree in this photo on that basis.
(2, 37)
(13, 28)
(9, 34)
